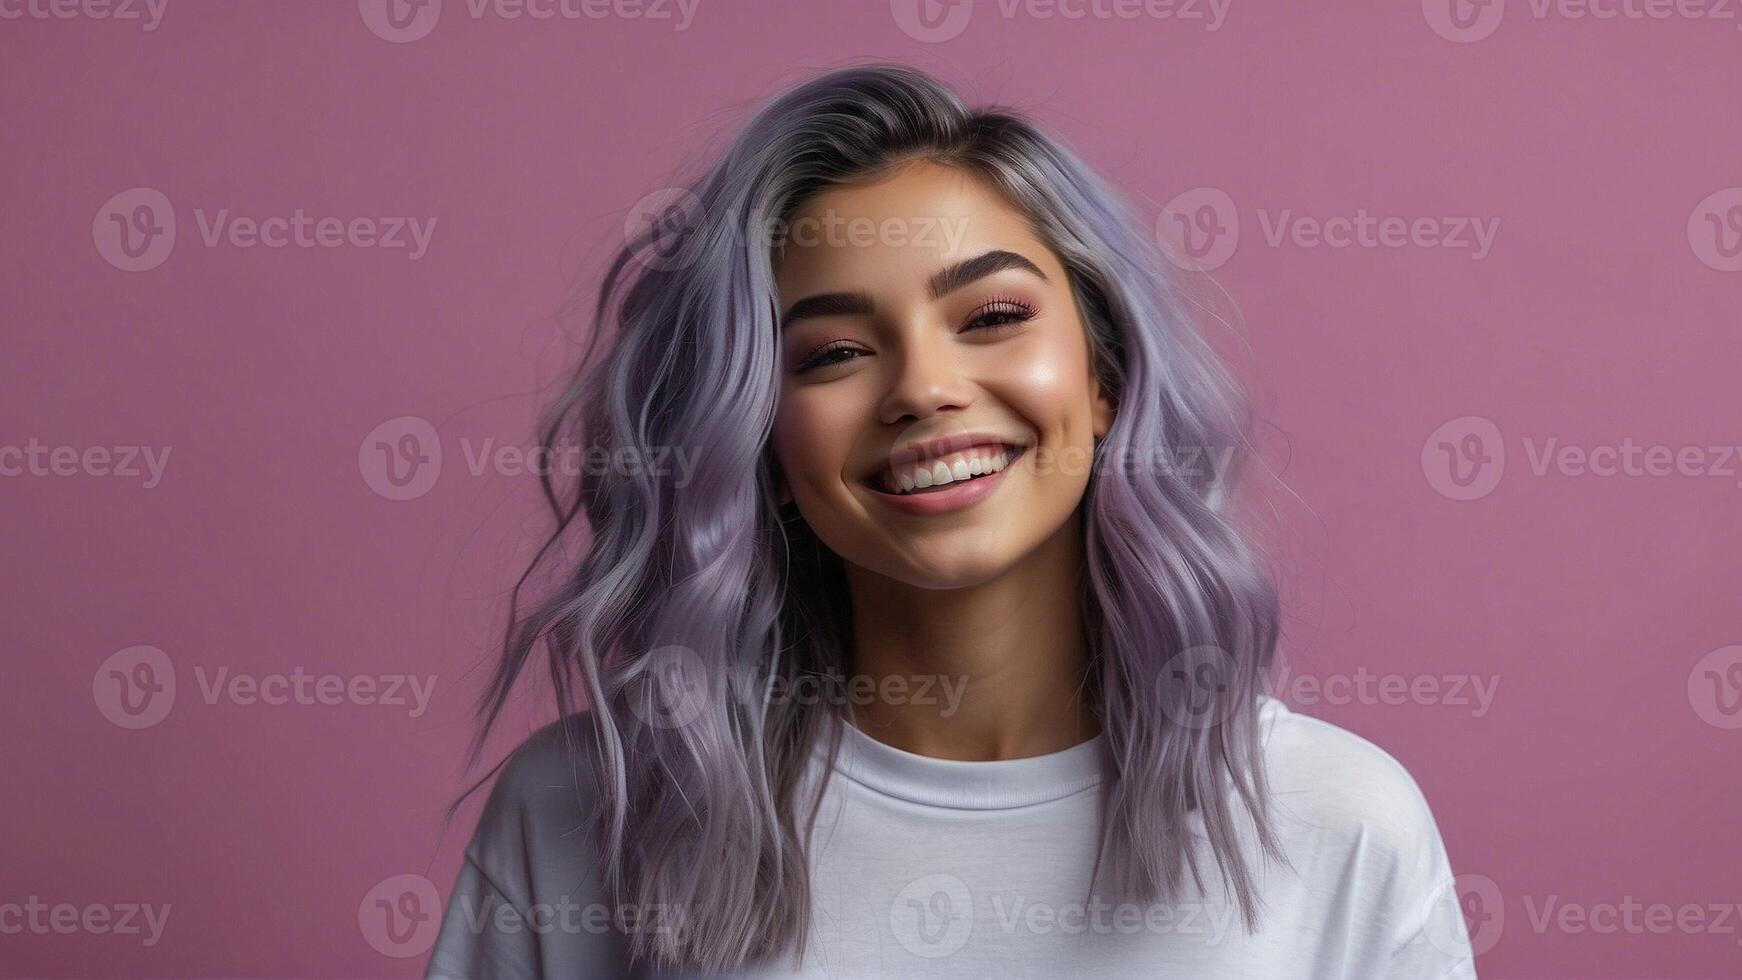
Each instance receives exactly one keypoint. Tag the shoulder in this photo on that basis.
(546, 793)
(1332, 784)
(1358, 830)
(558, 757)
(529, 898)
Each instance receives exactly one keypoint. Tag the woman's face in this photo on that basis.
(928, 336)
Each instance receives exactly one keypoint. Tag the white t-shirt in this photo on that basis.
(926, 867)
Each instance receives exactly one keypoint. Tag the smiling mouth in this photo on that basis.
(933, 476)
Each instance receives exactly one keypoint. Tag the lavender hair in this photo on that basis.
(706, 816)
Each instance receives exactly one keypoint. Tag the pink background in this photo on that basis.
(1599, 773)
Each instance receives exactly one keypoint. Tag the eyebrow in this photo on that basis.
(941, 284)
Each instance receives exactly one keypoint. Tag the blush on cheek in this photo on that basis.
(802, 441)
(1037, 387)
(1062, 366)
(1039, 372)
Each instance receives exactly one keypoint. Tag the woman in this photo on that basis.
(942, 657)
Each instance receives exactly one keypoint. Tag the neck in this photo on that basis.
(1004, 660)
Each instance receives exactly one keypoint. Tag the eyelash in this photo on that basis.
(1020, 311)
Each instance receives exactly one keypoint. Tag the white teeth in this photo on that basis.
(950, 469)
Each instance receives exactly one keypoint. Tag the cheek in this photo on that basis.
(1044, 381)
(809, 441)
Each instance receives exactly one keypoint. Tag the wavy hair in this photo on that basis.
(706, 815)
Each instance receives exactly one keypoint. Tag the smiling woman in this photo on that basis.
(912, 391)
(905, 483)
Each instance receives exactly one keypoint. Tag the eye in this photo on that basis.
(1000, 313)
(826, 355)
(995, 314)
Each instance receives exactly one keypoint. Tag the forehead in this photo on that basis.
(899, 227)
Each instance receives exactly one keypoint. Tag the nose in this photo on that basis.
(927, 377)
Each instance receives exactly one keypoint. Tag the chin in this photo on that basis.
(956, 564)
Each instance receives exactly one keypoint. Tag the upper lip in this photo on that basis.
(918, 452)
